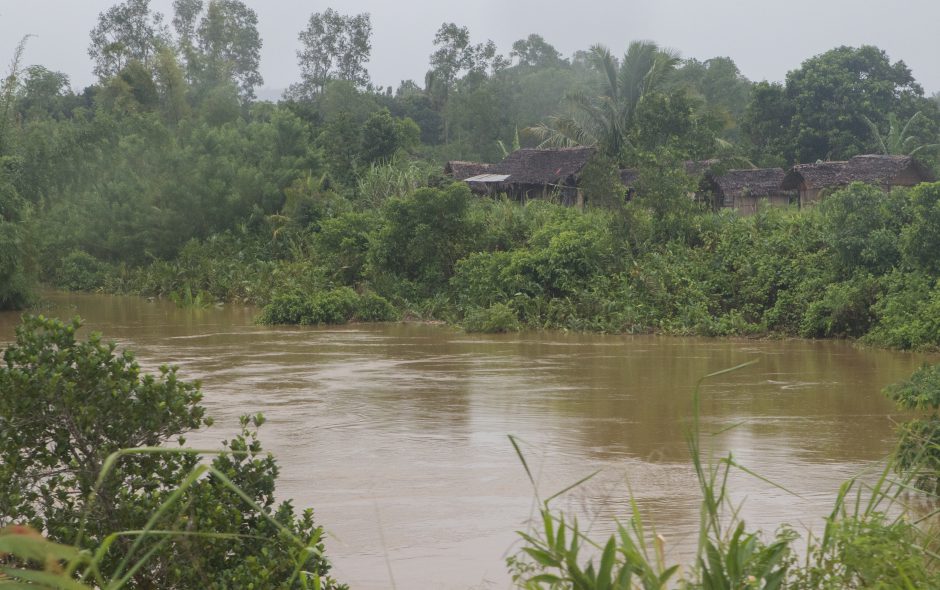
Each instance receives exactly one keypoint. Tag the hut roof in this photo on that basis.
(881, 169)
(874, 169)
(461, 170)
(536, 166)
(818, 175)
(759, 182)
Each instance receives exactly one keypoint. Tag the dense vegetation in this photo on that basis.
(168, 178)
(152, 516)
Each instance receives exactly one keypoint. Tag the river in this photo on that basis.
(397, 434)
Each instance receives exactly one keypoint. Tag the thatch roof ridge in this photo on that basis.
(543, 166)
(753, 182)
(877, 169)
(880, 168)
(818, 175)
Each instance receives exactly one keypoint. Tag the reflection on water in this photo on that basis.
(396, 434)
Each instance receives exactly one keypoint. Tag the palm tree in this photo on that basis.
(606, 120)
(900, 141)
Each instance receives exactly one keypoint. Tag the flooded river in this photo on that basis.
(397, 434)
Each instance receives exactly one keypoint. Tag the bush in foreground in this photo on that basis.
(68, 408)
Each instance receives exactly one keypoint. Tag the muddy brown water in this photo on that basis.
(397, 434)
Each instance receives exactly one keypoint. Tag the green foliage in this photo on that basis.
(828, 105)
(422, 238)
(375, 308)
(608, 120)
(601, 185)
(336, 306)
(918, 449)
(17, 277)
(496, 318)
(863, 225)
(907, 313)
(334, 46)
(868, 543)
(920, 239)
(62, 470)
(80, 271)
(843, 310)
(921, 391)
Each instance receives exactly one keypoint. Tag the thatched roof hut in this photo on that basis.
(813, 176)
(560, 166)
(885, 171)
(743, 189)
(461, 170)
(880, 170)
(757, 182)
(536, 173)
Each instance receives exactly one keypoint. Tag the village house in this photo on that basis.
(529, 174)
(815, 181)
(742, 190)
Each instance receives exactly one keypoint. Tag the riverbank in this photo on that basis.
(859, 266)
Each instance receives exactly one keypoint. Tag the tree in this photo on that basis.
(17, 273)
(219, 43)
(43, 93)
(126, 32)
(383, 135)
(454, 56)
(334, 47)
(535, 52)
(920, 240)
(719, 82)
(68, 405)
(230, 46)
(833, 93)
(424, 236)
(607, 119)
(766, 125)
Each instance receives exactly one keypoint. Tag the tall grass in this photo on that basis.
(873, 538)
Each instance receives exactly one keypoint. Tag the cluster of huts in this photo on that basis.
(540, 173)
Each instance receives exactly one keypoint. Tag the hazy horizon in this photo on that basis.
(764, 42)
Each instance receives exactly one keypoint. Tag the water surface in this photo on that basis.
(397, 434)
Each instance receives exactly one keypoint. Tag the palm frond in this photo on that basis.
(604, 62)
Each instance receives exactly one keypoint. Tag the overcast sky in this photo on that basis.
(766, 38)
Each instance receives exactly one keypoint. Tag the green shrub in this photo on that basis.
(286, 309)
(918, 450)
(80, 271)
(332, 307)
(375, 308)
(336, 306)
(51, 476)
(908, 313)
(844, 310)
(496, 318)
